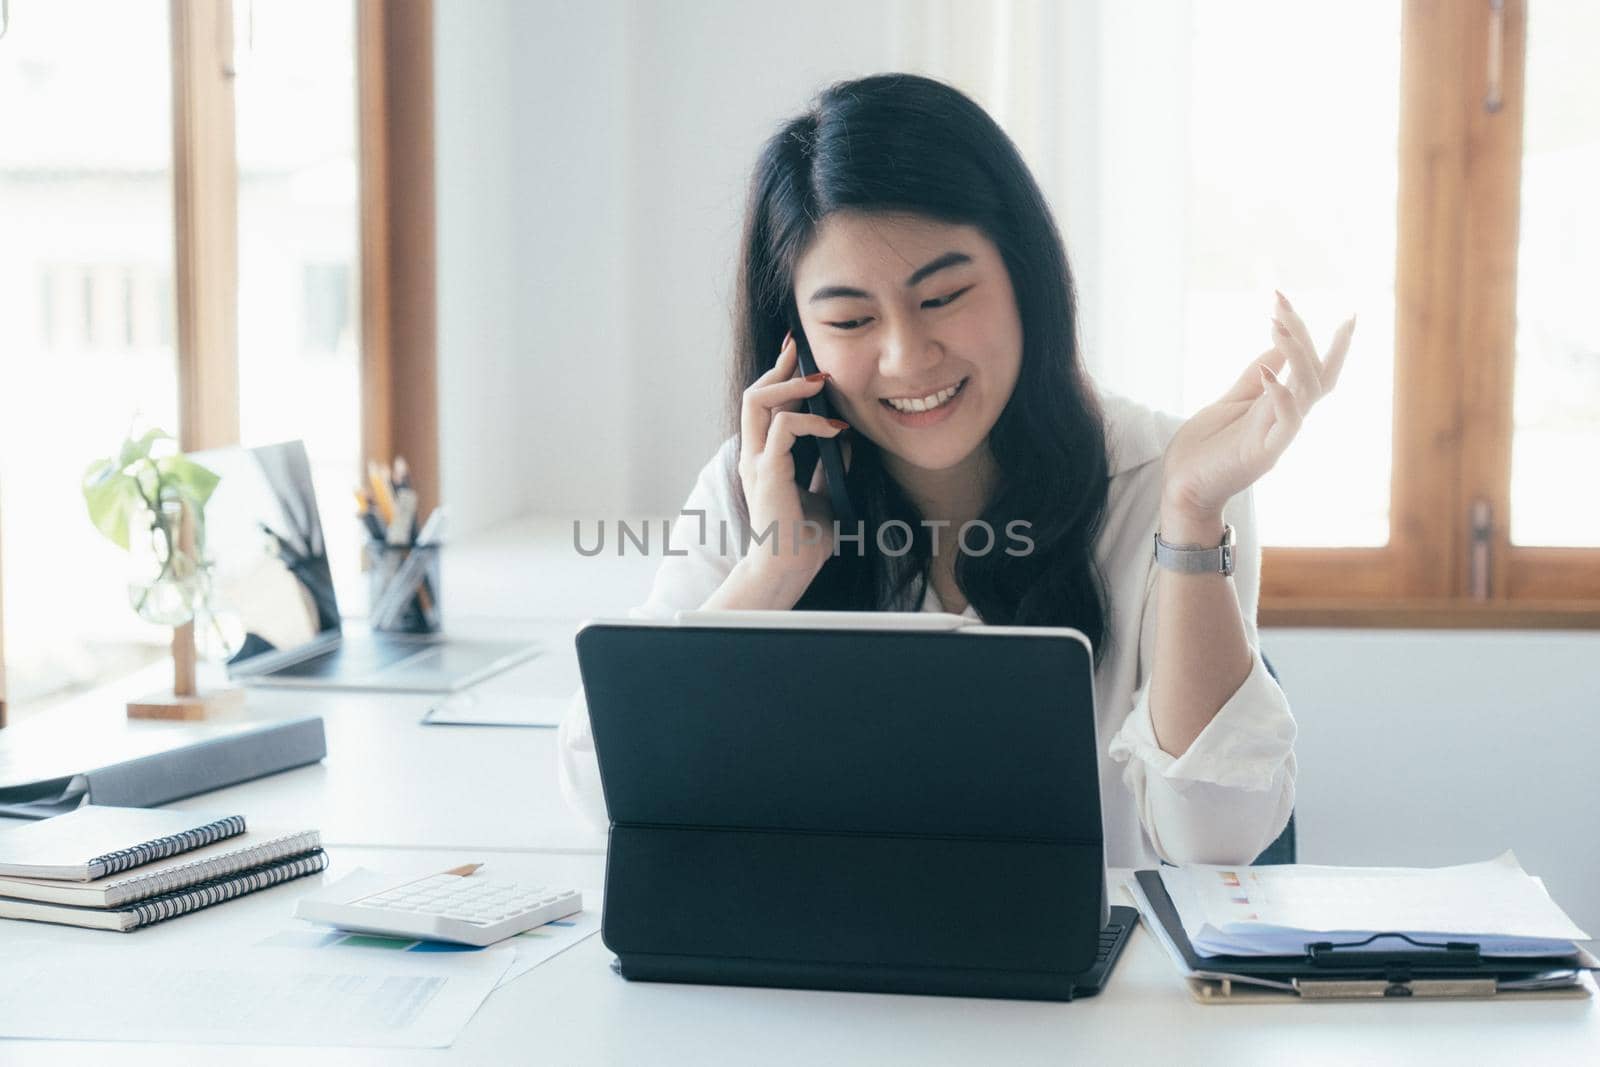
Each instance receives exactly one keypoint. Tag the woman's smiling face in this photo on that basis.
(917, 323)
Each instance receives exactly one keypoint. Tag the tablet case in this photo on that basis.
(854, 810)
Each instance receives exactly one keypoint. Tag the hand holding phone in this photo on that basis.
(808, 449)
(778, 458)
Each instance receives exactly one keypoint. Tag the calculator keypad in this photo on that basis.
(480, 901)
(465, 909)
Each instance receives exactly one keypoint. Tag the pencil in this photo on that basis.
(382, 495)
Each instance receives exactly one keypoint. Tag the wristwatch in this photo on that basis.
(1195, 559)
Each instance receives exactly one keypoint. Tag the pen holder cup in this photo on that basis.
(403, 588)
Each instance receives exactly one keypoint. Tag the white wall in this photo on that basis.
(592, 161)
(1441, 747)
(481, 381)
(532, 162)
(575, 151)
(591, 166)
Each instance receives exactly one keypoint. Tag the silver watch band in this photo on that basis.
(1195, 559)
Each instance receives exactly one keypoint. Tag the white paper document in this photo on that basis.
(552, 939)
(1270, 911)
(470, 708)
(533, 693)
(265, 996)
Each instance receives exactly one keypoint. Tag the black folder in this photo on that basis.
(1401, 966)
(837, 808)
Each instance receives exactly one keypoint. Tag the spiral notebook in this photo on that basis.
(169, 905)
(95, 841)
(253, 848)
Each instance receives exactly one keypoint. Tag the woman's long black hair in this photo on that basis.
(903, 144)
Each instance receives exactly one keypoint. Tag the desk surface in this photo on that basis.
(573, 1009)
(389, 780)
(403, 797)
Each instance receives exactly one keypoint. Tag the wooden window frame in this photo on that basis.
(205, 217)
(394, 108)
(399, 309)
(1460, 167)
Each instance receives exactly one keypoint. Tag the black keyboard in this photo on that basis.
(1108, 941)
(1113, 938)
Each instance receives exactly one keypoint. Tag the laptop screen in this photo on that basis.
(272, 588)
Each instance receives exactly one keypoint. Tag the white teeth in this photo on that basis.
(926, 403)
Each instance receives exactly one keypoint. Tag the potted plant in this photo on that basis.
(149, 499)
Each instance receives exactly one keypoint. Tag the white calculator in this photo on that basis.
(451, 906)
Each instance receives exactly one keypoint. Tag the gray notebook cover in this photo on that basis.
(178, 771)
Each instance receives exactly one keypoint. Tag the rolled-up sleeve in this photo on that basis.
(704, 549)
(1230, 793)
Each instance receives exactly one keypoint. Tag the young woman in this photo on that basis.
(897, 228)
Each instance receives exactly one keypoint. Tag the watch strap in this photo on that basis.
(1197, 559)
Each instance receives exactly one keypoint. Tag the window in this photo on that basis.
(1556, 407)
(299, 233)
(153, 196)
(328, 326)
(86, 190)
(1295, 191)
(1350, 155)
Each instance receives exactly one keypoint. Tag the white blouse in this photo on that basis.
(1223, 801)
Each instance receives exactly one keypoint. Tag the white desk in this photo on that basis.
(574, 1010)
(436, 796)
(389, 780)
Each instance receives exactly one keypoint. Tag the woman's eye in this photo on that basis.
(942, 301)
(850, 324)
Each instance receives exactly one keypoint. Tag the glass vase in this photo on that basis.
(164, 582)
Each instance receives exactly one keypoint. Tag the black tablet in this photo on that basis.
(851, 801)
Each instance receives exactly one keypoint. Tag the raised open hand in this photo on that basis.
(1225, 447)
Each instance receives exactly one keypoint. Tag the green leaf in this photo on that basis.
(113, 501)
(195, 482)
(99, 470)
(116, 489)
(133, 450)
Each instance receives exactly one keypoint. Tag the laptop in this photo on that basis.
(874, 802)
(273, 589)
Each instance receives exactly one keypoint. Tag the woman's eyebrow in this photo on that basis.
(949, 259)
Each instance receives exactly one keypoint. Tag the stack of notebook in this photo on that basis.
(122, 868)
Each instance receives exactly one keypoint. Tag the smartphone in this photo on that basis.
(807, 449)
